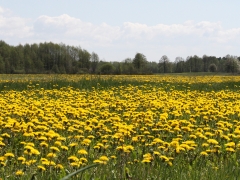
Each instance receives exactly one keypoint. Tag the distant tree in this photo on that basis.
(49, 57)
(205, 63)
(139, 62)
(84, 59)
(2, 65)
(7, 67)
(55, 69)
(212, 67)
(20, 54)
(198, 63)
(231, 64)
(152, 67)
(28, 64)
(179, 65)
(164, 64)
(94, 62)
(62, 69)
(117, 67)
(5, 51)
(207, 60)
(221, 64)
(39, 65)
(194, 64)
(107, 68)
(127, 66)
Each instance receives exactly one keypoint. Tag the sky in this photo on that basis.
(117, 30)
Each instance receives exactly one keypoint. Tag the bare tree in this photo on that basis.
(179, 65)
(94, 62)
(164, 64)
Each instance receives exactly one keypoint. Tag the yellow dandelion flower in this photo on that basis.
(120, 148)
(51, 155)
(73, 145)
(58, 143)
(21, 159)
(156, 153)
(3, 164)
(129, 147)
(41, 168)
(96, 147)
(26, 134)
(29, 148)
(43, 144)
(174, 143)
(54, 149)
(44, 159)
(61, 138)
(75, 164)
(2, 144)
(230, 144)
(83, 152)
(91, 137)
(230, 149)
(99, 161)
(148, 155)
(135, 139)
(48, 163)
(30, 162)
(204, 153)
(30, 144)
(2, 158)
(212, 141)
(65, 148)
(205, 144)
(193, 136)
(83, 160)
(19, 173)
(9, 155)
(179, 149)
(59, 166)
(73, 159)
(185, 146)
(35, 152)
(103, 158)
(113, 157)
(5, 135)
(146, 160)
(165, 158)
(86, 142)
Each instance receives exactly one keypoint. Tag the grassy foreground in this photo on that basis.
(131, 127)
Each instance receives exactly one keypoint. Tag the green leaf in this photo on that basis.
(78, 171)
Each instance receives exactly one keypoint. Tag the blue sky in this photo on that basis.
(116, 30)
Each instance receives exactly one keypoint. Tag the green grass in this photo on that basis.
(186, 166)
(25, 82)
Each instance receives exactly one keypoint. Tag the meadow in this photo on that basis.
(120, 127)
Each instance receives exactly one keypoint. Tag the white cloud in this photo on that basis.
(12, 26)
(1, 10)
(4, 10)
(72, 28)
(228, 35)
(155, 41)
(136, 30)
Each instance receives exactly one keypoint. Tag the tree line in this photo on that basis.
(50, 57)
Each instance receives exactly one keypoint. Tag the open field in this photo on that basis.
(133, 127)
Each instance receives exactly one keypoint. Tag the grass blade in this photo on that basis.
(78, 171)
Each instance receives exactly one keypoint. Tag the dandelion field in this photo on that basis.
(131, 127)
